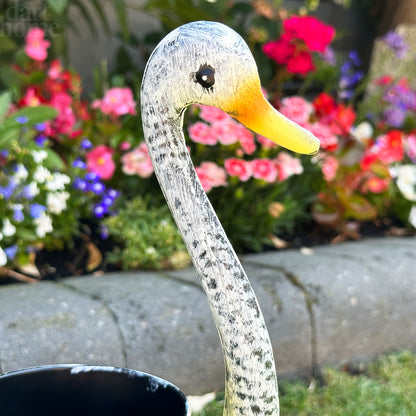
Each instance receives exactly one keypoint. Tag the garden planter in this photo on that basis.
(69, 390)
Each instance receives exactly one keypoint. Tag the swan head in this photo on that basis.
(210, 64)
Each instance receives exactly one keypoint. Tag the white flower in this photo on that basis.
(406, 180)
(32, 190)
(56, 201)
(21, 173)
(363, 131)
(42, 174)
(39, 155)
(58, 182)
(412, 216)
(3, 257)
(43, 225)
(8, 228)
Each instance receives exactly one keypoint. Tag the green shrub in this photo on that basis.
(145, 237)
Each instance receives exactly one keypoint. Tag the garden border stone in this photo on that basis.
(325, 306)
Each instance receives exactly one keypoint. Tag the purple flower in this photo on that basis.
(80, 184)
(78, 163)
(40, 127)
(395, 116)
(91, 177)
(36, 210)
(329, 56)
(7, 191)
(11, 252)
(41, 139)
(18, 214)
(396, 43)
(97, 187)
(86, 144)
(104, 232)
(99, 210)
(113, 194)
(351, 75)
(354, 58)
(21, 119)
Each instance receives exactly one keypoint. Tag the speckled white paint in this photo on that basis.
(168, 88)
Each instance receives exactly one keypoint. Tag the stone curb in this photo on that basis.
(340, 303)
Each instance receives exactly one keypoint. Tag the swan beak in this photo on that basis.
(256, 113)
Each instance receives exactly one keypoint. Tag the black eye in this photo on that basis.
(205, 76)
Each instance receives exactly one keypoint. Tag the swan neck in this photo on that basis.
(251, 384)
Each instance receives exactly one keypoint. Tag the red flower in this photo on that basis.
(387, 149)
(324, 104)
(316, 35)
(280, 50)
(100, 161)
(32, 98)
(300, 63)
(344, 118)
(65, 120)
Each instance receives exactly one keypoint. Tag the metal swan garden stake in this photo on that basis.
(208, 63)
(204, 63)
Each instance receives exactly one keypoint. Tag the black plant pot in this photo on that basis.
(80, 390)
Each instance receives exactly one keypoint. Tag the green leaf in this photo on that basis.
(53, 160)
(32, 115)
(5, 100)
(58, 6)
(121, 11)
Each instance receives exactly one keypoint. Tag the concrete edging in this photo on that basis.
(345, 302)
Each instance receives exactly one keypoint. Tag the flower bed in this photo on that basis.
(74, 170)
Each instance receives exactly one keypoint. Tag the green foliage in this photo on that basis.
(386, 388)
(145, 237)
(54, 17)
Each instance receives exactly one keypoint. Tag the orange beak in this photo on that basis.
(256, 113)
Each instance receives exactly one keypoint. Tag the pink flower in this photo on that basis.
(410, 146)
(100, 161)
(137, 162)
(246, 138)
(200, 132)
(375, 185)
(65, 120)
(324, 133)
(116, 102)
(36, 45)
(264, 169)
(55, 69)
(212, 114)
(296, 109)
(287, 166)
(211, 175)
(225, 131)
(238, 167)
(329, 167)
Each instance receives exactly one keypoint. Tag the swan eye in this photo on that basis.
(205, 76)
